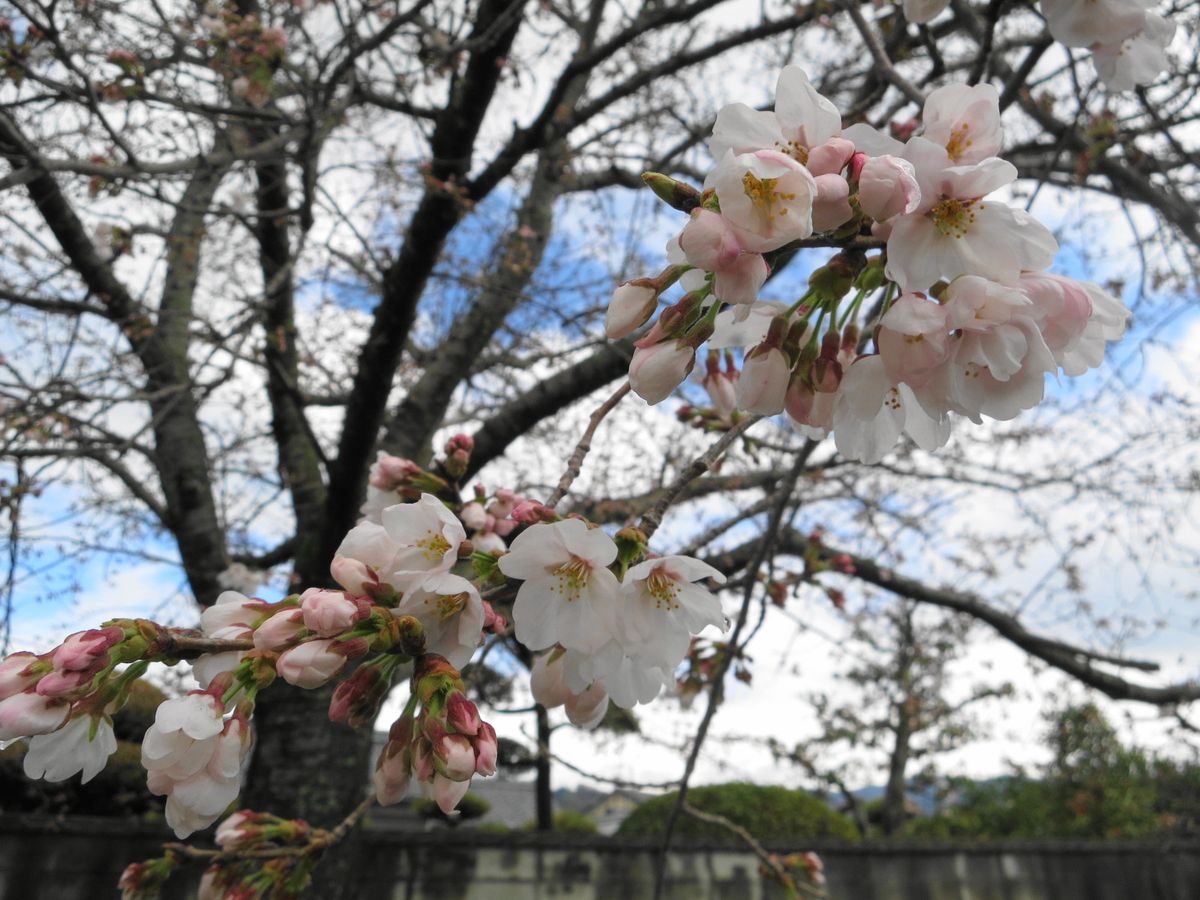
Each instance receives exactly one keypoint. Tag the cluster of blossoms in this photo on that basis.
(1128, 42)
(966, 320)
(410, 593)
(609, 638)
(247, 53)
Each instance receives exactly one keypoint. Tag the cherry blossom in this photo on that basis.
(663, 607)
(194, 757)
(766, 197)
(427, 537)
(568, 591)
(965, 121)
(710, 243)
(871, 412)
(1083, 23)
(955, 232)
(82, 746)
(802, 119)
(1136, 60)
(451, 611)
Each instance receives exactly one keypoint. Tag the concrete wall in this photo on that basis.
(80, 859)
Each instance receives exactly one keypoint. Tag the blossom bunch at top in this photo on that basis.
(1128, 42)
(964, 318)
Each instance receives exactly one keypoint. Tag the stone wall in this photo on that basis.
(80, 859)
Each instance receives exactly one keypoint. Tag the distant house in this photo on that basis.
(613, 809)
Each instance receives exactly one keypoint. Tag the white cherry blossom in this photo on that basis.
(1082, 23)
(427, 536)
(802, 119)
(450, 610)
(871, 412)
(568, 592)
(965, 121)
(766, 197)
(71, 750)
(1136, 60)
(663, 607)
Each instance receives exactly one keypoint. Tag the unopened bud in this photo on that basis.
(674, 193)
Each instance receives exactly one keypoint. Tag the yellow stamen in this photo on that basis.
(434, 546)
(764, 196)
(795, 150)
(572, 578)
(448, 606)
(954, 218)
(664, 590)
(959, 142)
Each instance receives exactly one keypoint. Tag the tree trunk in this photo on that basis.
(545, 797)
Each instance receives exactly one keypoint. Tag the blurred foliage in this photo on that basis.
(767, 812)
(1093, 787)
(568, 820)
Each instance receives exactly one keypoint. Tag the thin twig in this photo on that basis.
(181, 643)
(701, 464)
(770, 860)
(879, 54)
(320, 840)
(726, 658)
(575, 464)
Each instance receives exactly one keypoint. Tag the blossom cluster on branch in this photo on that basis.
(964, 319)
(1128, 42)
(615, 622)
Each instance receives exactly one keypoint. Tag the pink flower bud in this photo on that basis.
(392, 773)
(632, 304)
(310, 664)
(17, 673)
(463, 442)
(656, 371)
(390, 472)
(504, 503)
(59, 684)
(461, 714)
(721, 389)
(474, 516)
(447, 792)
(831, 206)
(85, 649)
(454, 757)
(28, 714)
(280, 630)
(493, 621)
(490, 542)
(887, 187)
(530, 512)
(422, 761)
(503, 527)
(857, 161)
(329, 613)
(356, 700)
(586, 710)
(354, 575)
(764, 381)
(237, 831)
(486, 748)
(830, 157)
